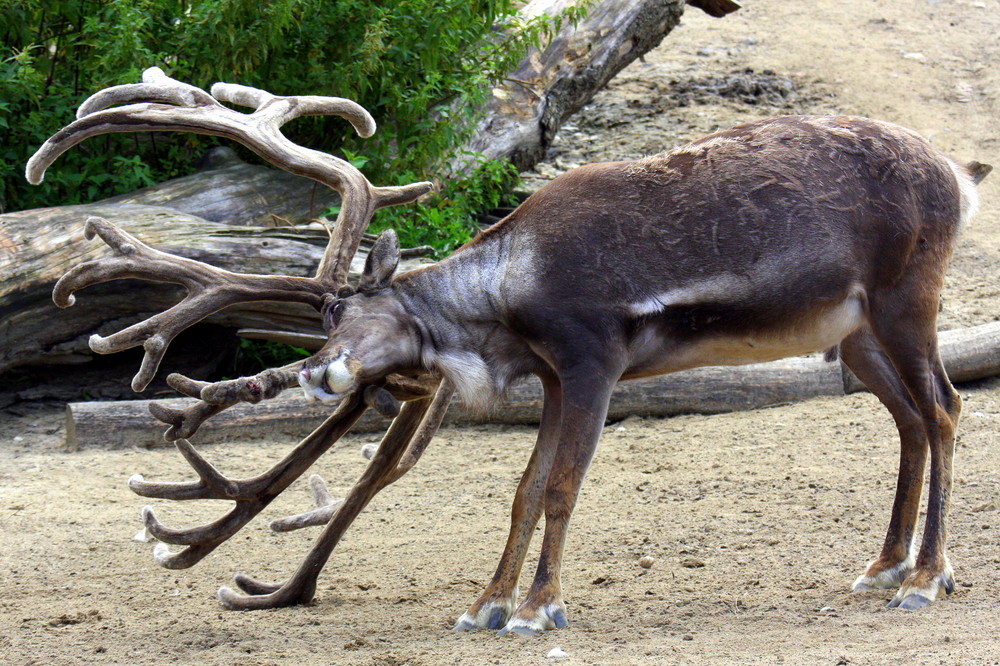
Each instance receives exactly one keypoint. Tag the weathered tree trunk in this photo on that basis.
(968, 354)
(51, 241)
(228, 190)
(39, 246)
(526, 111)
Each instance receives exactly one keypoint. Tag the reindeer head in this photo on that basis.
(370, 332)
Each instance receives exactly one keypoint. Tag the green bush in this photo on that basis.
(421, 67)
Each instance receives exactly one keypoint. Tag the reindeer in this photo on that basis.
(774, 238)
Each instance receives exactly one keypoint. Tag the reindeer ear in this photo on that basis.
(381, 263)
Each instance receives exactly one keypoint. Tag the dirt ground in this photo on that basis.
(757, 522)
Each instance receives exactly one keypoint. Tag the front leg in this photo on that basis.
(586, 393)
(493, 609)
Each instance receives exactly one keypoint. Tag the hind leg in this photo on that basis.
(932, 572)
(862, 353)
(905, 330)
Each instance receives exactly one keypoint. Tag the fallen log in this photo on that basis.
(968, 354)
(525, 111)
(228, 190)
(50, 241)
(528, 108)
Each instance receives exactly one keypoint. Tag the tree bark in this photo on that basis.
(968, 354)
(525, 111)
(230, 191)
(50, 241)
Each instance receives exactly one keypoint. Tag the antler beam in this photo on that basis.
(327, 506)
(161, 103)
(418, 416)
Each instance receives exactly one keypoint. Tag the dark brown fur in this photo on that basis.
(772, 238)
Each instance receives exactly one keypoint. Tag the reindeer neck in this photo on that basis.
(459, 309)
(462, 291)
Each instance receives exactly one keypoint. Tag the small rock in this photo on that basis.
(646, 562)
(368, 450)
(557, 653)
(915, 56)
(692, 563)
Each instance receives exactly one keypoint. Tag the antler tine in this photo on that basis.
(282, 109)
(155, 87)
(251, 495)
(190, 109)
(209, 290)
(217, 396)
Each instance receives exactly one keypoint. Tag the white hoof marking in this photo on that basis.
(481, 620)
(885, 580)
(549, 616)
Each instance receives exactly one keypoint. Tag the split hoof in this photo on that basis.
(491, 615)
(524, 623)
(921, 588)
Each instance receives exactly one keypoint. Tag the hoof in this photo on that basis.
(912, 602)
(888, 578)
(465, 624)
(550, 616)
(498, 619)
(491, 615)
(921, 589)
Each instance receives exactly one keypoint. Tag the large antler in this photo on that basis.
(416, 424)
(160, 103)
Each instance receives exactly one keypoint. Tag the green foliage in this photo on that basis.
(448, 218)
(421, 67)
(252, 356)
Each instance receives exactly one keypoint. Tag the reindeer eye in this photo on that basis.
(333, 315)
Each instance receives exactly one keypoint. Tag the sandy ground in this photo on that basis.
(757, 522)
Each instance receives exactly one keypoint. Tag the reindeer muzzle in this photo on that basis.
(327, 384)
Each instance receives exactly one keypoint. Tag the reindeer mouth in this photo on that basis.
(315, 393)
